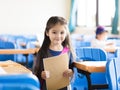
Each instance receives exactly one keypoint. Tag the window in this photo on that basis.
(95, 12)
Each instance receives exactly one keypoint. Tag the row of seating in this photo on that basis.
(17, 42)
(91, 54)
(110, 77)
(17, 81)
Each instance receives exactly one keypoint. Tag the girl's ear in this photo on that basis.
(47, 34)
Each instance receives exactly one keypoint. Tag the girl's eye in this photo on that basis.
(62, 32)
(54, 32)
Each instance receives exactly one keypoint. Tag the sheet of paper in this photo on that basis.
(2, 71)
(56, 66)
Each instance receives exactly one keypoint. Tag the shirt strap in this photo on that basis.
(65, 49)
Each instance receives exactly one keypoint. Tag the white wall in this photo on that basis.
(29, 16)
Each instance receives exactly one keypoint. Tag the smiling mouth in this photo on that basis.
(57, 39)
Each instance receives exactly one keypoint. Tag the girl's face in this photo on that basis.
(57, 34)
(103, 36)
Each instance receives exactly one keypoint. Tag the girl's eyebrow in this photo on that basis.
(54, 30)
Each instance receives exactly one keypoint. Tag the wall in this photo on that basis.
(29, 16)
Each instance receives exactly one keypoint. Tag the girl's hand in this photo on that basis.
(68, 73)
(45, 74)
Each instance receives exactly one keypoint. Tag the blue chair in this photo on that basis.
(77, 43)
(17, 87)
(21, 58)
(82, 44)
(19, 40)
(30, 56)
(113, 74)
(117, 53)
(31, 37)
(19, 82)
(91, 54)
(7, 45)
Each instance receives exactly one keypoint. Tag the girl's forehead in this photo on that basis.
(58, 27)
(58, 24)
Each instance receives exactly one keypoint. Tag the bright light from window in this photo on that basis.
(106, 12)
(86, 15)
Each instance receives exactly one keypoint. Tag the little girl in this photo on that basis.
(56, 41)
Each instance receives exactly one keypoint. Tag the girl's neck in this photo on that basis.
(56, 47)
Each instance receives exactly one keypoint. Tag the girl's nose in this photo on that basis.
(58, 35)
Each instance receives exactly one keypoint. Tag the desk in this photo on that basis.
(26, 52)
(87, 67)
(10, 67)
(18, 51)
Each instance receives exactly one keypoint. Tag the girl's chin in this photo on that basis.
(57, 43)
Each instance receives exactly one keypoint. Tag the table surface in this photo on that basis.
(19, 51)
(91, 66)
(10, 67)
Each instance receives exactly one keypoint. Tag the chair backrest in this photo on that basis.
(117, 53)
(89, 53)
(19, 82)
(113, 74)
(82, 44)
(7, 45)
